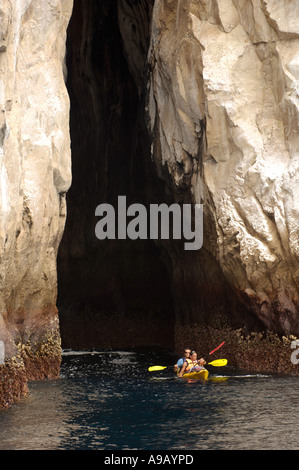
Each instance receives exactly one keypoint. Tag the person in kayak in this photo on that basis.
(192, 364)
(181, 361)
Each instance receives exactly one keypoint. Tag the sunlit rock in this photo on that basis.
(35, 173)
(223, 108)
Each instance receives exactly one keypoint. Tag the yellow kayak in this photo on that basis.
(200, 374)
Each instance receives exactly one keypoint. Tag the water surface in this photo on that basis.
(109, 401)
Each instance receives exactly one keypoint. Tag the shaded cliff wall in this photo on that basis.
(112, 293)
(123, 293)
(183, 102)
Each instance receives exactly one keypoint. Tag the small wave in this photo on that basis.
(240, 376)
(79, 353)
(70, 352)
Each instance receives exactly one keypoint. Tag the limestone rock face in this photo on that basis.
(224, 115)
(35, 173)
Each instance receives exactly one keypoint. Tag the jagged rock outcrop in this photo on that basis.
(223, 108)
(35, 174)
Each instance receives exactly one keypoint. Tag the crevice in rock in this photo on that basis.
(112, 293)
(122, 293)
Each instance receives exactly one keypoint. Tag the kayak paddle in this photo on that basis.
(216, 349)
(216, 363)
(152, 368)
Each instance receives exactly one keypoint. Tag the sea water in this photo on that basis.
(108, 400)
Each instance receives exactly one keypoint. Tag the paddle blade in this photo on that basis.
(218, 363)
(152, 368)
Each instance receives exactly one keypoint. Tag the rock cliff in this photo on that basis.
(35, 174)
(223, 109)
(188, 101)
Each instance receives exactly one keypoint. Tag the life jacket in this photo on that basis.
(192, 366)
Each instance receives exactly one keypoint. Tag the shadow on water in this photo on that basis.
(108, 400)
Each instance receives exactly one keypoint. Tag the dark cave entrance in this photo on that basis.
(112, 293)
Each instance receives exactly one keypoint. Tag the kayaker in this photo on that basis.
(181, 361)
(192, 364)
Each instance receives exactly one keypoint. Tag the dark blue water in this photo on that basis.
(109, 401)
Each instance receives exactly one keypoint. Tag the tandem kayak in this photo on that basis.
(202, 374)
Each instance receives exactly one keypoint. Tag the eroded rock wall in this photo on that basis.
(35, 173)
(223, 110)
